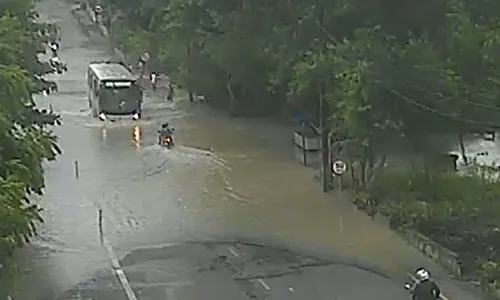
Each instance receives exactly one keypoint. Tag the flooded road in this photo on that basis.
(226, 180)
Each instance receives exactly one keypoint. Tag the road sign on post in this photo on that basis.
(145, 57)
(339, 167)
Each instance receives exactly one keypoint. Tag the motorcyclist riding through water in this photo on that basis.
(425, 288)
(165, 131)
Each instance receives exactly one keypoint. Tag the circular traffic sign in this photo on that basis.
(145, 57)
(339, 167)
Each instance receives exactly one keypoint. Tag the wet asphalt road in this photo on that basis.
(233, 271)
(151, 197)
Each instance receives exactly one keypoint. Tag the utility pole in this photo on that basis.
(326, 172)
(190, 71)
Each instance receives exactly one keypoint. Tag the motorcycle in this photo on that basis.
(409, 287)
(58, 66)
(167, 141)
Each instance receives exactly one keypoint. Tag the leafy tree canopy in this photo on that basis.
(25, 138)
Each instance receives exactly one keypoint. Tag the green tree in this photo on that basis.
(25, 138)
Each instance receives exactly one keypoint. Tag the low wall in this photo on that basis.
(307, 142)
(382, 220)
(445, 257)
(440, 254)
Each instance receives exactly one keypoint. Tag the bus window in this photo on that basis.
(118, 84)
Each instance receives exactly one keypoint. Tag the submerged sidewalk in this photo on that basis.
(283, 205)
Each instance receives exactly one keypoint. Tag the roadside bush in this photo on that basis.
(459, 212)
(489, 275)
(26, 136)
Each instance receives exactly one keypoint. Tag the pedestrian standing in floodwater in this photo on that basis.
(170, 92)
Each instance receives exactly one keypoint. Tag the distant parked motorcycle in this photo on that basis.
(57, 65)
(152, 78)
(54, 47)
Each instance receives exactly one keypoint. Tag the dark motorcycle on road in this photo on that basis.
(166, 139)
(168, 142)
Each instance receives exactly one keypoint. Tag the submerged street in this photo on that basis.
(226, 214)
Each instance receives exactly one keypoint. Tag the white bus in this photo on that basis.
(113, 90)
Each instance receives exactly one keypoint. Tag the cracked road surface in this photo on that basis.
(235, 271)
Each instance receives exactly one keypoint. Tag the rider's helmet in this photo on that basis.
(165, 125)
(54, 46)
(422, 274)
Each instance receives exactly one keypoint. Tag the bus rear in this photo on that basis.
(120, 97)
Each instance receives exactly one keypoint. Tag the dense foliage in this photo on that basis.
(25, 140)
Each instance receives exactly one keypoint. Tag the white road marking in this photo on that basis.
(119, 271)
(233, 252)
(126, 286)
(264, 284)
(114, 260)
(443, 297)
(159, 246)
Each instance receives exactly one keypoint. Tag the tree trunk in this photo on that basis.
(354, 180)
(362, 173)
